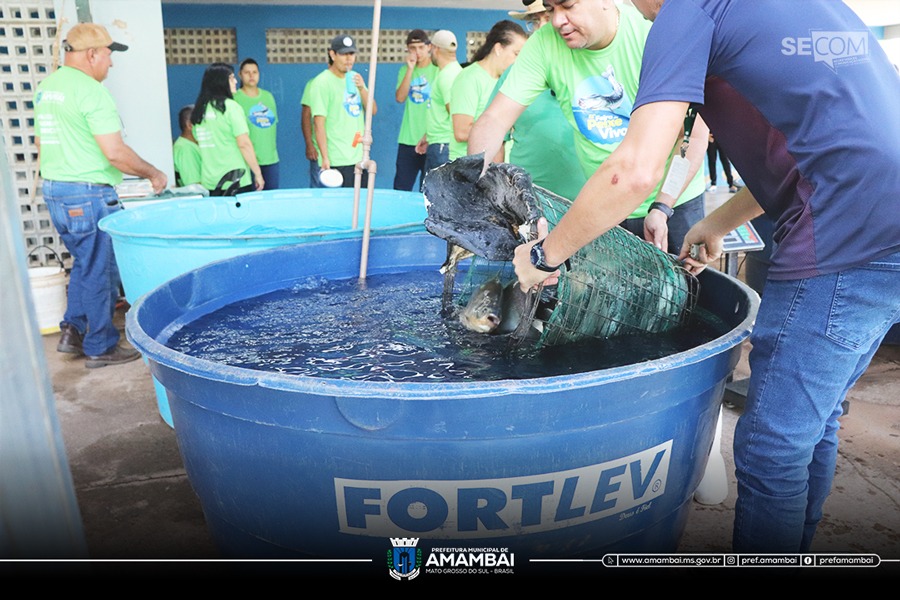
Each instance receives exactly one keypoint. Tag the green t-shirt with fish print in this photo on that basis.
(595, 90)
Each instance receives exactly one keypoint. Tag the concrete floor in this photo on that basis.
(136, 501)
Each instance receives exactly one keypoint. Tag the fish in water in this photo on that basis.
(495, 308)
(482, 314)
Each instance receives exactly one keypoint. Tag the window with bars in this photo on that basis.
(200, 46)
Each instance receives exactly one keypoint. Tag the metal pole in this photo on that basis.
(367, 163)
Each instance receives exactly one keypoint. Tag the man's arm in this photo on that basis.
(321, 140)
(615, 189)
(364, 94)
(121, 156)
(403, 87)
(708, 233)
(306, 128)
(486, 135)
(656, 224)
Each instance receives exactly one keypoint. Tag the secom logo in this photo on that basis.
(834, 48)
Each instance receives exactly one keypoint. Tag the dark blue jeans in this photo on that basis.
(270, 176)
(75, 209)
(410, 166)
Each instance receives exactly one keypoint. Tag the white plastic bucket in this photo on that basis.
(48, 290)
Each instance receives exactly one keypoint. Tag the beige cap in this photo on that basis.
(90, 35)
(533, 8)
(443, 39)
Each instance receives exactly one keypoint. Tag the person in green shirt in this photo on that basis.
(415, 84)
(438, 126)
(227, 158)
(591, 59)
(82, 156)
(185, 151)
(262, 117)
(541, 141)
(337, 100)
(474, 84)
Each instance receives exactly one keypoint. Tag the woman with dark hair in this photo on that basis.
(475, 83)
(220, 127)
(262, 117)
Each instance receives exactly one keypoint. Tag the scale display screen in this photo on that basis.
(742, 239)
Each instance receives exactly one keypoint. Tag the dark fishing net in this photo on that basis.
(616, 285)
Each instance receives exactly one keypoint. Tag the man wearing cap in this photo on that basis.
(337, 99)
(414, 88)
(591, 59)
(82, 157)
(829, 182)
(438, 123)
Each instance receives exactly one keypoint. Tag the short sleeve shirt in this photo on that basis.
(330, 97)
(804, 104)
(469, 96)
(262, 117)
(439, 127)
(418, 101)
(186, 156)
(70, 108)
(216, 136)
(595, 89)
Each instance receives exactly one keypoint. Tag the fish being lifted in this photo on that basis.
(496, 308)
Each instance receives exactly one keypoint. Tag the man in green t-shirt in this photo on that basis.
(541, 141)
(262, 117)
(337, 100)
(82, 157)
(185, 151)
(415, 83)
(438, 123)
(591, 59)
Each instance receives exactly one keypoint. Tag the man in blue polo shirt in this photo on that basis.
(804, 104)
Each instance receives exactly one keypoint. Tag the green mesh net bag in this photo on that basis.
(616, 285)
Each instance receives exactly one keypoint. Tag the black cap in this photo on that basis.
(343, 44)
(417, 35)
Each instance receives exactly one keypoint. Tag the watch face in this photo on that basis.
(537, 256)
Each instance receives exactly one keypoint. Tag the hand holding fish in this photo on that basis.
(529, 276)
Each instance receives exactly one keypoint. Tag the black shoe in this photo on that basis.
(70, 340)
(116, 356)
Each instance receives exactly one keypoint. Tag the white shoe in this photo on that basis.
(711, 188)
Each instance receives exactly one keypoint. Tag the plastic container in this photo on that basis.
(576, 465)
(156, 242)
(48, 290)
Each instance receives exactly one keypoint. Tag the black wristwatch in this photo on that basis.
(539, 259)
(664, 208)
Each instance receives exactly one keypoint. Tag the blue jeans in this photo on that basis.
(436, 155)
(75, 209)
(686, 215)
(410, 166)
(812, 340)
